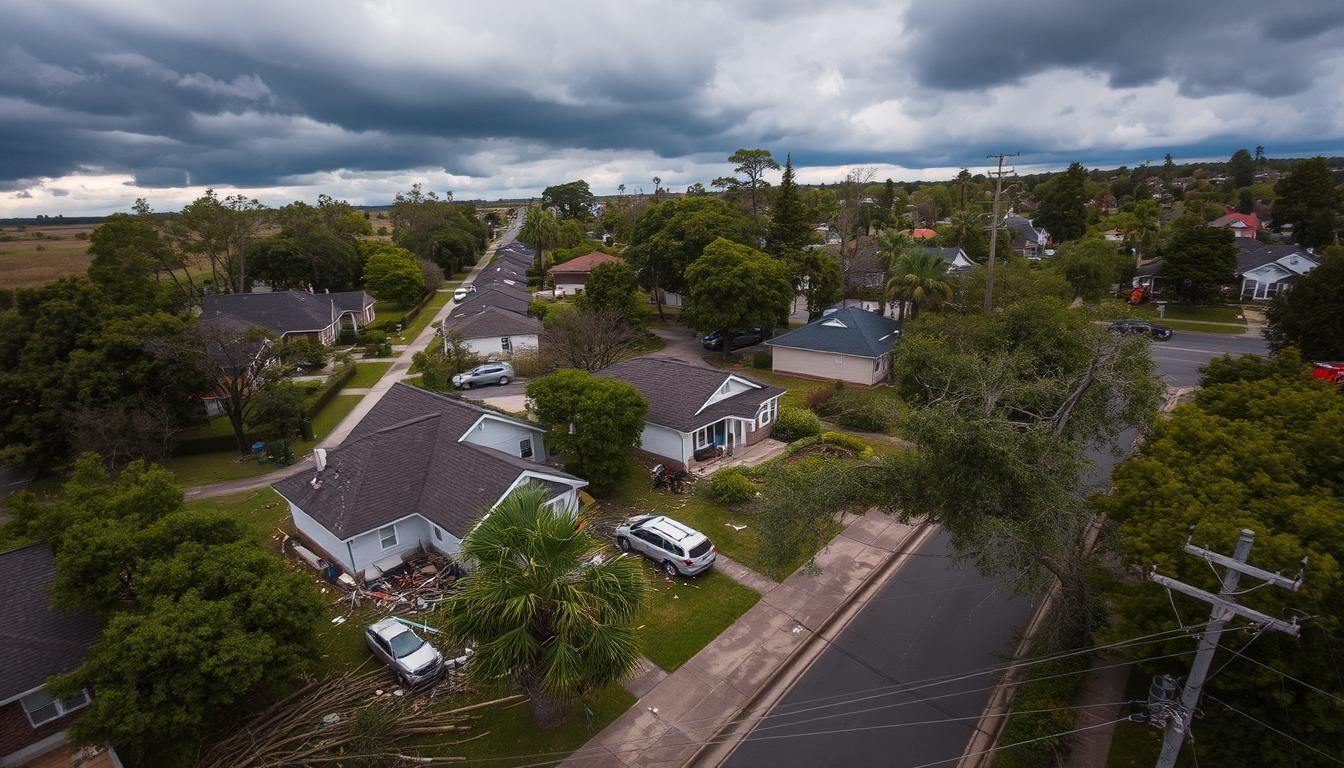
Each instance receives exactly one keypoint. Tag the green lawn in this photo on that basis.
(1177, 325)
(426, 315)
(512, 741)
(684, 615)
(263, 509)
(367, 374)
(207, 468)
(1210, 313)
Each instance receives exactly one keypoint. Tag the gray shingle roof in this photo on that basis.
(282, 312)
(37, 640)
(493, 321)
(405, 457)
(848, 331)
(1252, 253)
(676, 390)
(949, 254)
(494, 295)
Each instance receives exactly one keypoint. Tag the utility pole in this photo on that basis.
(994, 227)
(1177, 720)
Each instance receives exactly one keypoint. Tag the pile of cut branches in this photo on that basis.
(354, 719)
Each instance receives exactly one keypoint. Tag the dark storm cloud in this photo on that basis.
(134, 103)
(1207, 48)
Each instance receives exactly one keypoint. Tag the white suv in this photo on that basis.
(675, 547)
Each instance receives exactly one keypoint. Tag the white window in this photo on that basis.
(504, 344)
(41, 707)
(525, 448)
(765, 414)
(387, 537)
(704, 436)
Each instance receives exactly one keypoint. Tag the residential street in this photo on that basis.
(934, 618)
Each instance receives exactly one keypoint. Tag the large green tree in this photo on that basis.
(547, 605)
(1311, 315)
(201, 619)
(1264, 452)
(790, 231)
(669, 236)
(751, 164)
(1198, 261)
(1063, 204)
(1241, 168)
(734, 287)
(613, 286)
(571, 200)
(220, 230)
(392, 274)
(817, 276)
(593, 421)
(1091, 266)
(1308, 199)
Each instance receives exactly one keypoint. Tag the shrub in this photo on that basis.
(761, 359)
(538, 309)
(732, 487)
(529, 362)
(819, 402)
(347, 337)
(795, 423)
(864, 410)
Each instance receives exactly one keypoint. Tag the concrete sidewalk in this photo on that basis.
(686, 708)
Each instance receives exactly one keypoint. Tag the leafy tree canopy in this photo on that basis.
(669, 236)
(735, 287)
(392, 274)
(1063, 204)
(1309, 200)
(1198, 261)
(1264, 453)
(1311, 315)
(1091, 266)
(612, 286)
(572, 200)
(594, 421)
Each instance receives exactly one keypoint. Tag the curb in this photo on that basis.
(726, 739)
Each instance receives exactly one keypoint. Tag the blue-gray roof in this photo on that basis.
(848, 331)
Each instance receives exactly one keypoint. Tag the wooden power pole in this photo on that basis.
(998, 174)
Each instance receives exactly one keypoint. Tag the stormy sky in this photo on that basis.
(101, 102)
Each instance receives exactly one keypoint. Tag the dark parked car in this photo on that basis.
(1129, 327)
(714, 340)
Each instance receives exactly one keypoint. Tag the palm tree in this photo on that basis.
(890, 245)
(546, 605)
(919, 277)
(541, 231)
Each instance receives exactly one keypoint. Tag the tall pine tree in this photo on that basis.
(1063, 209)
(790, 231)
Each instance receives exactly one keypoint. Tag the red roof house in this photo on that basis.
(1241, 224)
(572, 275)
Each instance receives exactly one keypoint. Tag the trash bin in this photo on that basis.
(306, 427)
(258, 450)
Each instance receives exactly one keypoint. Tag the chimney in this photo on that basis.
(320, 456)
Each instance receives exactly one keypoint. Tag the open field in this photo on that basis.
(36, 255)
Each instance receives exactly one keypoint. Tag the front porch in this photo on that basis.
(744, 456)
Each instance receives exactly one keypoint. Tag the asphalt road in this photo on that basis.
(934, 618)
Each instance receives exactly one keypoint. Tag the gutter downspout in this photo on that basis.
(350, 552)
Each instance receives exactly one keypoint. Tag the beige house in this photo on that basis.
(850, 344)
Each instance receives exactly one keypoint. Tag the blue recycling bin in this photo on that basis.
(258, 450)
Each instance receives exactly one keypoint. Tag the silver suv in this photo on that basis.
(490, 373)
(415, 661)
(676, 548)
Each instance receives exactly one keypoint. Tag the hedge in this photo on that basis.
(863, 410)
(405, 320)
(844, 441)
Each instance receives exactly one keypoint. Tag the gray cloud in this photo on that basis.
(175, 95)
(1224, 47)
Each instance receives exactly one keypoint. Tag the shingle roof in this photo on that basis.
(493, 321)
(585, 263)
(949, 254)
(37, 640)
(859, 264)
(848, 331)
(1230, 221)
(405, 457)
(676, 390)
(494, 295)
(1024, 229)
(1252, 253)
(280, 312)
(499, 273)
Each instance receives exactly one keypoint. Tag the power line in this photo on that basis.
(1337, 699)
(1284, 734)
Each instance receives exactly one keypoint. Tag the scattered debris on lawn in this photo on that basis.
(346, 719)
(735, 526)
(418, 585)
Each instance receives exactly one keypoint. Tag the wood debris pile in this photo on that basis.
(351, 719)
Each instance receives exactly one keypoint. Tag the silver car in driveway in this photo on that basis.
(415, 661)
(490, 373)
(675, 547)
